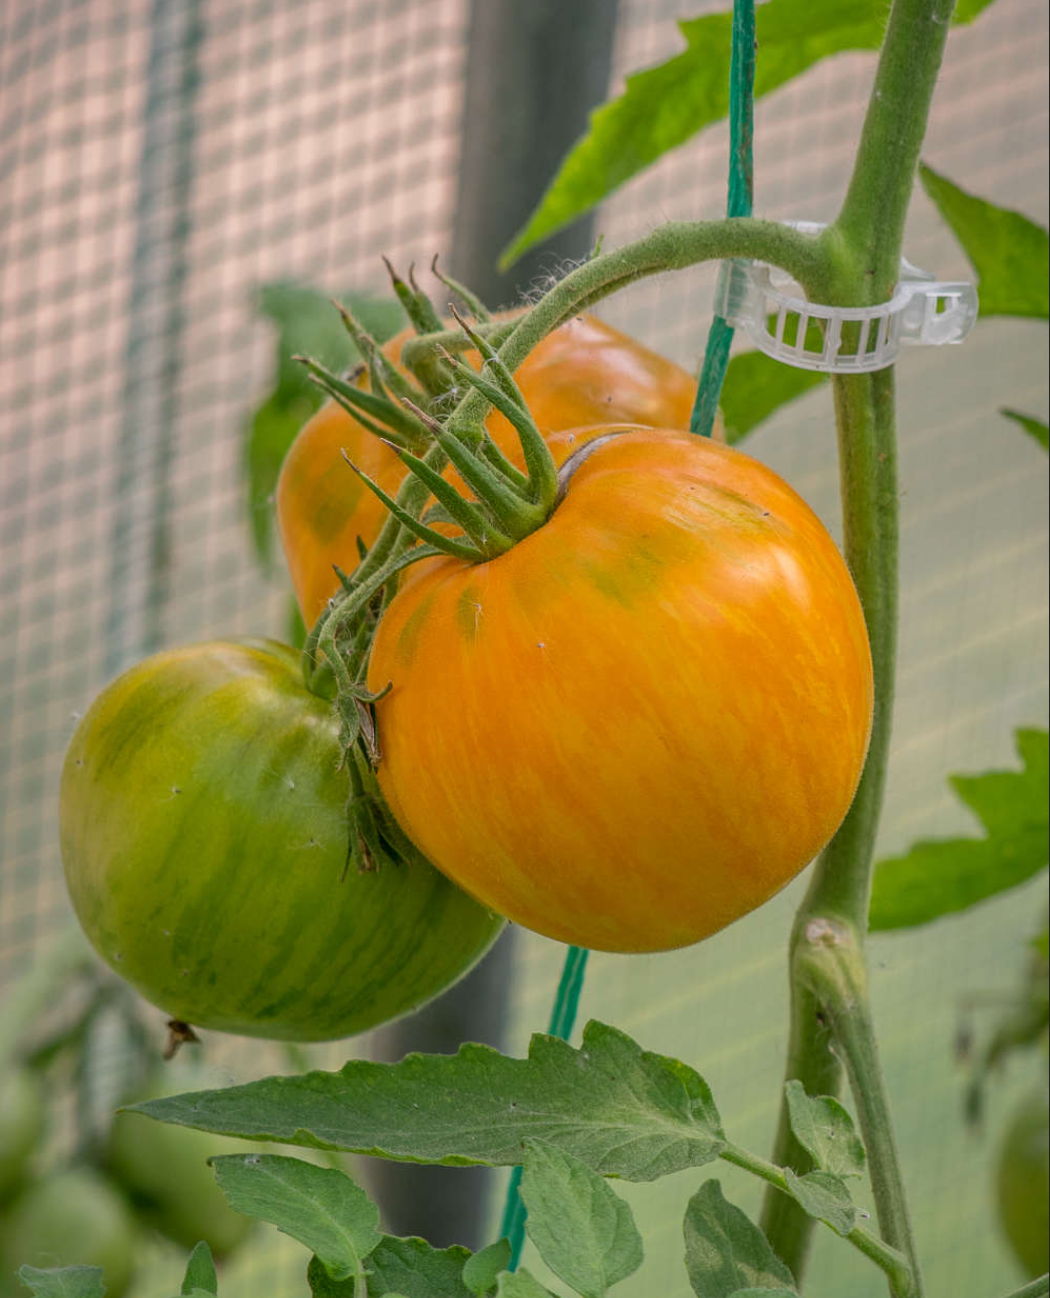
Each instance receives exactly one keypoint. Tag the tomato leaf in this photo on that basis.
(482, 1269)
(825, 1131)
(621, 1110)
(400, 1268)
(272, 431)
(1034, 427)
(664, 106)
(321, 1207)
(522, 1284)
(200, 1273)
(725, 1251)
(755, 387)
(824, 1196)
(764, 1293)
(1010, 253)
(583, 1230)
(940, 876)
(63, 1281)
(309, 325)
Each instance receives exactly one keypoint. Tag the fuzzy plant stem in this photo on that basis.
(830, 1016)
(67, 958)
(894, 1264)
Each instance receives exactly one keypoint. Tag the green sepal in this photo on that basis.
(420, 352)
(386, 377)
(437, 513)
(377, 430)
(471, 553)
(365, 847)
(539, 463)
(517, 515)
(389, 828)
(542, 477)
(360, 336)
(418, 307)
(398, 423)
(490, 356)
(499, 461)
(470, 299)
(466, 515)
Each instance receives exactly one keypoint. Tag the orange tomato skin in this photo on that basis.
(585, 373)
(646, 718)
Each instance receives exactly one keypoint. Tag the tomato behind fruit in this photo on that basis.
(165, 1171)
(644, 719)
(204, 838)
(584, 373)
(70, 1218)
(21, 1126)
(1023, 1183)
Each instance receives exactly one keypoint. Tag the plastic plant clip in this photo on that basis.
(841, 340)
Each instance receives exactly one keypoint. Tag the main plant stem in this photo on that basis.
(830, 1014)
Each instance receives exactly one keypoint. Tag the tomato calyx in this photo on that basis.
(503, 503)
(507, 504)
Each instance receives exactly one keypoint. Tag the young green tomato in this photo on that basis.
(75, 1217)
(644, 719)
(1022, 1180)
(203, 823)
(21, 1126)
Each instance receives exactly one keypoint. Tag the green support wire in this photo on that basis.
(716, 359)
(741, 197)
(563, 1016)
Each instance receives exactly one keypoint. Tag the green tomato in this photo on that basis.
(1023, 1183)
(21, 1127)
(165, 1171)
(73, 1217)
(204, 837)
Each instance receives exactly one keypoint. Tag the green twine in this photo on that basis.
(716, 358)
(563, 1016)
(741, 196)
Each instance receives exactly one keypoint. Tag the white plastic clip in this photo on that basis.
(923, 312)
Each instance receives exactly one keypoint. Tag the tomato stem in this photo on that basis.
(421, 355)
(837, 898)
(1036, 1289)
(869, 232)
(862, 250)
(323, 638)
(892, 1262)
(673, 246)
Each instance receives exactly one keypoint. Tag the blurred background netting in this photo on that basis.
(161, 163)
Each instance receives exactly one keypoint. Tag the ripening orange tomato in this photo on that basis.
(585, 373)
(644, 719)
